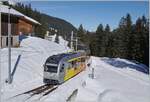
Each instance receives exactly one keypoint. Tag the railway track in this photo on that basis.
(41, 90)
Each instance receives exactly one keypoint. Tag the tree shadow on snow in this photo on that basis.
(122, 64)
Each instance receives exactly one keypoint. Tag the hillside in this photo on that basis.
(63, 26)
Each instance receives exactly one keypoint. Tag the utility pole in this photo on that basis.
(0, 28)
(0, 53)
(76, 44)
(71, 44)
(92, 73)
(65, 39)
(9, 47)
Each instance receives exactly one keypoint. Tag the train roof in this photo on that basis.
(56, 58)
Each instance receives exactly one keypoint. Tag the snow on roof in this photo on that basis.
(5, 9)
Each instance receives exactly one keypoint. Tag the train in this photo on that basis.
(61, 67)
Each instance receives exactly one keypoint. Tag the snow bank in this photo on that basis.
(52, 37)
(62, 41)
(43, 46)
(113, 84)
(27, 64)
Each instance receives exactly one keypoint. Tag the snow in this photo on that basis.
(115, 85)
(29, 70)
(4, 9)
(62, 41)
(113, 82)
(53, 37)
(124, 63)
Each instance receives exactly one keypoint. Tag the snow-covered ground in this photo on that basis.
(62, 41)
(113, 82)
(27, 64)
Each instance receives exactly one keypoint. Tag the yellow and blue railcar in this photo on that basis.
(60, 68)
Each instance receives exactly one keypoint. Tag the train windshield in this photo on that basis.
(52, 69)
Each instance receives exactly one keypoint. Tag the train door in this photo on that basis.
(69, 71)
(62, 71)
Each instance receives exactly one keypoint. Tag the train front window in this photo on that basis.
(52, 69)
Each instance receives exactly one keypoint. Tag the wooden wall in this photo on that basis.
(17, 25)
(25, 27)
(14, 25)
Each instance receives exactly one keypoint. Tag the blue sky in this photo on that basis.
(92, 13)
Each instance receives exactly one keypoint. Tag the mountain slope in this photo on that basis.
(64, 27)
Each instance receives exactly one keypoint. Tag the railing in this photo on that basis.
(4, 41)
(48, 38)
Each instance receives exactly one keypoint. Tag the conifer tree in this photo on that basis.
(108, 41)
(81, 33)
(129, 36)
(100, 41)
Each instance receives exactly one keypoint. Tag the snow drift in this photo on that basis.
(27, 64)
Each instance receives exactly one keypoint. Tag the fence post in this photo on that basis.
(92, 73)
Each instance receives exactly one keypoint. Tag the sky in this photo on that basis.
(92, 13)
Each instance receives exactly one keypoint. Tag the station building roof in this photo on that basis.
(5, 10)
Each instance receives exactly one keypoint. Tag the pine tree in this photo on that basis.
(124, 37)
(108, 41)
(129, 36)
(120, 39)
(122, 23)
(99, 29)
(141, 46)
(100, 41)
(128, 22)
(146, 49)
(145, 40)
(107, 28)
(81, 33)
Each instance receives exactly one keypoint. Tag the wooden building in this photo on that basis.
(20, 24)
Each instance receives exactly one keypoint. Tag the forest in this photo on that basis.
(128, 40)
